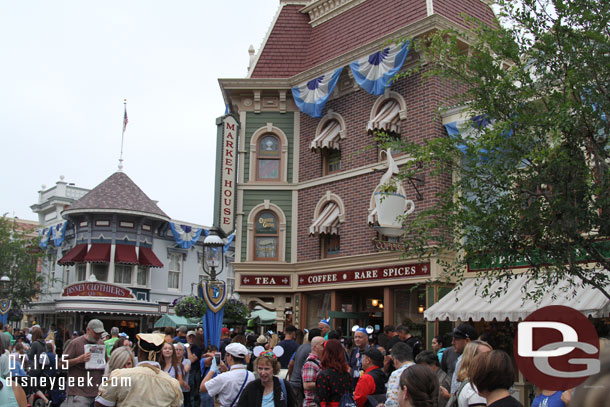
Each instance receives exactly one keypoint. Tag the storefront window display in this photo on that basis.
(408, 309)
(318, 306)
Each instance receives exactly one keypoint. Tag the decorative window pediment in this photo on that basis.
(330, 131)
(328, 215)
(387, 113)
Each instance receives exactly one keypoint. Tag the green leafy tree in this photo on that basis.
(531, 171)
(19, 257)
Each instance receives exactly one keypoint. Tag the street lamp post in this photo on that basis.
(213, 256)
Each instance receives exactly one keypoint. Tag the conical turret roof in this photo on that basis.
(118, 193)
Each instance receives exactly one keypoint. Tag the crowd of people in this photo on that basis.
(312, 368)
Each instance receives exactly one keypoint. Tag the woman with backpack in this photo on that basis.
(268, 389)
(334, 383)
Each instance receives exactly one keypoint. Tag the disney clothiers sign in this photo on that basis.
(96, 289)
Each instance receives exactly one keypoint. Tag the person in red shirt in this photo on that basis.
(373, 380)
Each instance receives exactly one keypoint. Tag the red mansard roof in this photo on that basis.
(294, 46)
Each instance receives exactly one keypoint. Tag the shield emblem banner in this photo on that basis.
(214, 294)
(5, 305)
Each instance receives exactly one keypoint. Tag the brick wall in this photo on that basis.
(422, 98)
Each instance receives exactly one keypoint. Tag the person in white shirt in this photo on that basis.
(228, 386)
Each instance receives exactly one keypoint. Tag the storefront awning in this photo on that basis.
(466, 302)
(263, 317)
(148, 258)
(125, 254)
(76, 255)
(328, 221)
(329, 137)
(388, 118)
(98, 253)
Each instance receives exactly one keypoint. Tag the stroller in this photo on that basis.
(55, 394)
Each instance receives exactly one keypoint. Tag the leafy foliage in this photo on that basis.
(190, 307)
(19, 257)
(235, 310)
(533, 187)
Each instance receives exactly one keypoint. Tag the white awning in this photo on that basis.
(466, 302)
(329, 136)
(327, 222)
(388, 118)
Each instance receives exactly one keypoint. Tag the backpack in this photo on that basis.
(347, 400)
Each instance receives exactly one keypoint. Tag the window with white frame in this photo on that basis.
(81, 272)
(100, 271)
(175, 271)
(122, 273)
(142, 276)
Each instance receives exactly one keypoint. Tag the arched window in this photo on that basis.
(387, 113)
(268, 158)
(266, 236)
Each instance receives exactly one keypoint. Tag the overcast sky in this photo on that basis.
(66, 67)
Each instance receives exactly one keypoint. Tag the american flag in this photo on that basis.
(125, 120)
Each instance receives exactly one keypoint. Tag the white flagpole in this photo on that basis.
(123, 135)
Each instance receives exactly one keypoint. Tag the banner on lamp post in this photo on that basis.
(5, 306)
(215, 295)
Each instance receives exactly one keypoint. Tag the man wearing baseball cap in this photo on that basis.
(228, 386)
(373, 380)
(82, 384)
(462, 334)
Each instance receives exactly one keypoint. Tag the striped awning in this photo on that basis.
(76, 255)
(125, 254)
(98, 253)
(468, 302)
(388, 118)
(148, 258)
(327, 222)
(329, 137)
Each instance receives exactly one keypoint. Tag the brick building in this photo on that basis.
(307, 245)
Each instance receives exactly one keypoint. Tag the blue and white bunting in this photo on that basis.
(59, 233)
(311, 96)
(185, 236)
(44, 235)
(373, 73)
(229, 241)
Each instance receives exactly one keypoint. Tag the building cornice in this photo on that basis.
(416, 29)
(323, 10)
(86, 211)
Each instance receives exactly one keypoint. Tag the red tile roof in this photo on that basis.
(117, 192)
(285, 51)
(294, 46)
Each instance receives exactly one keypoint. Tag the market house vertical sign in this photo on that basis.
(226, 173)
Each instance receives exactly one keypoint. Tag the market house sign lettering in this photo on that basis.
(274, 280)
(367, 274)
(96, 289)
(226, 172)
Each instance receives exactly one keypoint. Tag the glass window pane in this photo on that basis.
(122, 274)
(81, 272)
(174, 280)
(266, 224)
(269, 146)
(334, 161)
(266, 247)
(142, 276)
(268, 169)
(333, 247)
(100, 271)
